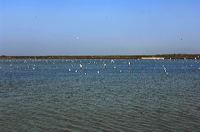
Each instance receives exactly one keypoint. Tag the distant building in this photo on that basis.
(153, 58)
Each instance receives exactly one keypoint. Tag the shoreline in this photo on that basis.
(145, 57)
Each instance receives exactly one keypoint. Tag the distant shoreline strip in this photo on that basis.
(144, 57)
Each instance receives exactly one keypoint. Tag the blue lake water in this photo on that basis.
(103, 95)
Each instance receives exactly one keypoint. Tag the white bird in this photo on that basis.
(69, 70)
(104, 65)
(81, 66)
(98, 72)
(112, 61)
(76, 71)
(129, 63)
(165, 69)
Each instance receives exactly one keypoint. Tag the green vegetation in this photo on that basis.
(166, 56)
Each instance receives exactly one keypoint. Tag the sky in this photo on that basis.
(99, 27)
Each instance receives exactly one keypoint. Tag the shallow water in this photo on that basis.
(58, 95)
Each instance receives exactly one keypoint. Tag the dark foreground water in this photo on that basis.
(103, 95)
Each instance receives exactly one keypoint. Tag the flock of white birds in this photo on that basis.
(81, 66)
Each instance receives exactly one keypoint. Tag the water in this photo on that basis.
(60, 95)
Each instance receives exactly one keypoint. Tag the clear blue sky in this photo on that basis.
(99, 27)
